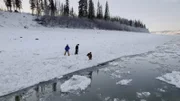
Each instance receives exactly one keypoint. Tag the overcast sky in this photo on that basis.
(156, 14)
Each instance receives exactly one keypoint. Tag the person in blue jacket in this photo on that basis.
(67, 48)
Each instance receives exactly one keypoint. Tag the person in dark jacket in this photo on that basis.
(77, 49)
(67, 48)
(89, 55)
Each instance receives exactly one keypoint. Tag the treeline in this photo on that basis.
(13, 4)
(86, 9)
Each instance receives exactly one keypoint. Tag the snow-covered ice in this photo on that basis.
(124, 82)
(171, 78)
(75, 83)
(25, 61)
(143, 94)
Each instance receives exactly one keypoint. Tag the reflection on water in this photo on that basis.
(103, 86)
(41, 91)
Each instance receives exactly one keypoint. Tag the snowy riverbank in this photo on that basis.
(25, 61)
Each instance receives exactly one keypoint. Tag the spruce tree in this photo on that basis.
(55, 7)
(91, 12)
(42, 5)
(46, 8)
(82, 8)
(66, 8)
(32, 5)
(98, 10)
(59, 8)
(72, 12)
(18, 4)
(52, 7)
(101, 12)
(107, 15)
(8, 4)
(62, 9)
(38, 7)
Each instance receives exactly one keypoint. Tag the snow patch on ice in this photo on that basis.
(124, 82)
(143, 94)
(75, 83)
(114, 63)
(171, 78)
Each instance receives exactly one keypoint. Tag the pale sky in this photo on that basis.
(158, 15)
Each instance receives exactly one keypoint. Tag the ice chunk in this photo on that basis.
(116, 99)
(75, 83)
(124, 82)
(115, 75)
(161, 90)
(171, 78)
(143, 94)
(107, 98)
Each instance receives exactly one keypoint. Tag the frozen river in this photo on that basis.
(129, 78)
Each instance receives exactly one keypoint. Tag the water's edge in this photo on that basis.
(98, 66)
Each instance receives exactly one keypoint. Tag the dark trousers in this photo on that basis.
(76, 52)
(67, 52)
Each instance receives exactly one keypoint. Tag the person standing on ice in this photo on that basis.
(77, 49)
(89, 55)
(67, 48)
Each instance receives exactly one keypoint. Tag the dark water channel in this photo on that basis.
(142, 69)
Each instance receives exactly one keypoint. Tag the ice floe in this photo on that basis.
(124, 82)
(171, 78)
(75, 83)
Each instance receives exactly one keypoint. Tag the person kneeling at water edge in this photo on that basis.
(89, 55)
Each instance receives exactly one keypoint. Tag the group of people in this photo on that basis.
(67, 48)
